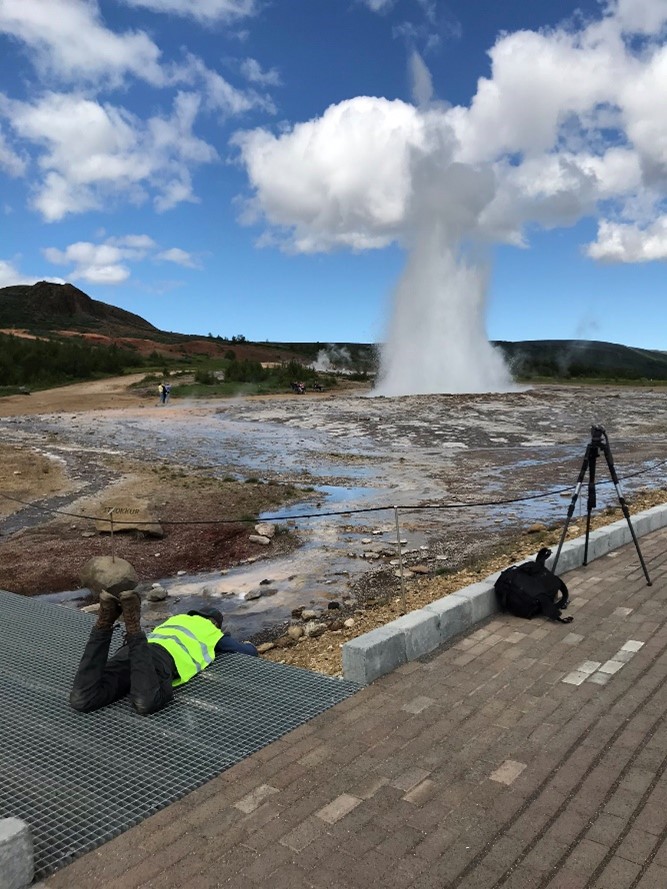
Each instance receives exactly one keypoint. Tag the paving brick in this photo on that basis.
(618, 874)
(338, 808)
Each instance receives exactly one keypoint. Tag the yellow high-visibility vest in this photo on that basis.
(190, 640)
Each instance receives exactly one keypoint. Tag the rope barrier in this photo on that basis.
(343, 512)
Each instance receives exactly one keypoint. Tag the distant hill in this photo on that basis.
(47, 306)
(568, 359)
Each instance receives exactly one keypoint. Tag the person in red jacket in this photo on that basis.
(147, 667)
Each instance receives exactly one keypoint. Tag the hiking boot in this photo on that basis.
(109, 611)
(131, 605)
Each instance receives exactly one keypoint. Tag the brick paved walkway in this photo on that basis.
(526, 754)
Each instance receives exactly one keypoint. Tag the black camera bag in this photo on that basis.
(531, 588)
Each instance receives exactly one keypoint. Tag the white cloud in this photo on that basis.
(619, 242)
(95, 263)
(90, 153)
(206, 11)
(378, 5)
(10, 161)
(640, 16)
(253, 71)
(180, 257)
(340, 180)
(139, 243)
(67, 38)
(10, 276)
(107, 262)
(219, 94)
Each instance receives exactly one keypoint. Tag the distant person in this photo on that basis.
(148, 668)
(160, 394)
(167, 392)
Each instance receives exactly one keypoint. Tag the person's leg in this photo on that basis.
(150, 676)
(98, 682)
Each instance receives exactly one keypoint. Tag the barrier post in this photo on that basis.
(113, 548)
(400, 562)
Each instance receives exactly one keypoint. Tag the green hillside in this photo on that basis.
(572, 359)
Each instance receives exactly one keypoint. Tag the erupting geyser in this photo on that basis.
(437, 339)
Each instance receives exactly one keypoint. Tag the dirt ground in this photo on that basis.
(65, 448)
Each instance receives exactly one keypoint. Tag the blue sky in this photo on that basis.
(214, 166)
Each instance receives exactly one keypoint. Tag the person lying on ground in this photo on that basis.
(147, 667)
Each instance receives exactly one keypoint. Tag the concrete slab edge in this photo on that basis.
(17, 861)
(382, 650)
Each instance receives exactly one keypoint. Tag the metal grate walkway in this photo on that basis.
(80, 779)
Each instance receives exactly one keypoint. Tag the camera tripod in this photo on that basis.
(598, 443)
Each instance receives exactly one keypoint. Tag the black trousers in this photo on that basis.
(141, 670)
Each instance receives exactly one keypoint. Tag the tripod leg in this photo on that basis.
(570, 509)
(592, 499)
(624, 508)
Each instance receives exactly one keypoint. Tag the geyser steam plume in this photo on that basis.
(437, 339)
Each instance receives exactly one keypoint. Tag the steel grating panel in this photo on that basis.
(80, 779)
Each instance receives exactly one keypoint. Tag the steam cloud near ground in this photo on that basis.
(571, 122)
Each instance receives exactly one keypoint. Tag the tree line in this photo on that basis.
(41, 363)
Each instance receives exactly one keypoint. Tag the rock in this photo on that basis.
(371, 556)
(180, 573)
(336, 626)
(106, 573)
(536, 528)
(156, 593)
(91, 609)
(297, 612)
(89, 534)
(259, 538)
(265, 582)
(308, 614)
(333, 605)
(265, 529)
(252, 595)
(265, 646)
(129, 514)
(366, 540)
(406, 573)
(295, 632)
(420, 569)
(315, 628)
(349, 623)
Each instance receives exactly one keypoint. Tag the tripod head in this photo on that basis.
(598, 433)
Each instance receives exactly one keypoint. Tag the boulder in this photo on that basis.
(265, 646)
(295, 632)
(129, 514)
(156, 593)
(259, 538)
(536, 528)
(265, 529)
(108, 573)
(315, 628)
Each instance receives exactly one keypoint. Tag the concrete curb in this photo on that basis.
(370, 656)
(17, 867)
